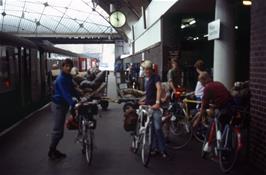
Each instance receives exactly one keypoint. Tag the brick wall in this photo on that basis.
(258, 84)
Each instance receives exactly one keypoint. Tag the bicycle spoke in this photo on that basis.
(180, 135)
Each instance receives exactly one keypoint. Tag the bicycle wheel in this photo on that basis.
(87, 144)
(180, 134)
(136, 138)
(228, 153)
(146, 146)
(200, 131)
(135, 143)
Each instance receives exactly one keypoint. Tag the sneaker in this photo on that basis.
(164, 155)
(154, 152)
(54, 154)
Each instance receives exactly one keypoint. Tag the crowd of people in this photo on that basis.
(156, 95)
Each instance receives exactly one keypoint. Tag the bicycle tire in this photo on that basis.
(146, 146)
(135, 144)
(87, 144)
(182, 136)
(199, 132)
(136, 138)
(228, 155)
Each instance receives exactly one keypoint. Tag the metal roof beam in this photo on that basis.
(68, 35)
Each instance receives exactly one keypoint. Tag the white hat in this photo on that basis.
(147, 64)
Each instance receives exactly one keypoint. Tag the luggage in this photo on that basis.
(130, 120)
(72, 123)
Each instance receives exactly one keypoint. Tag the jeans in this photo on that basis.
(59, 116)
(158, 141)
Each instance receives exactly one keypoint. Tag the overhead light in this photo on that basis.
(247, 2)
(183, 26)
(236, 27)
(205, 36)
(192, 22)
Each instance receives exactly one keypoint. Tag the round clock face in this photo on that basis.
(117, 19)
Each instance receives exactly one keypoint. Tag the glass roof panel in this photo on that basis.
(53, 17)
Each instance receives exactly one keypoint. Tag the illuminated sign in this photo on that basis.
(214, 30)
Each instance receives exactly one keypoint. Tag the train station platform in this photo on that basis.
(24, 150)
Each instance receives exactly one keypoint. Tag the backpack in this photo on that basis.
(130, 120)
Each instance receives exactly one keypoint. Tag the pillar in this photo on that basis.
(224, 57)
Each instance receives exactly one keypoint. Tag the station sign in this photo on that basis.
(214, 29)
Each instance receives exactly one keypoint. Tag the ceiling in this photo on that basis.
(53, 17)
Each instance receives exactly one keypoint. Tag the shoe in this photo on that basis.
(154, 152)
(164, 155)
(207, 148)
(54, 154)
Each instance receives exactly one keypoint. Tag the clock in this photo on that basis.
(117, 19)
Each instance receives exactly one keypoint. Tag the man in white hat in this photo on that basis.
(153, 96)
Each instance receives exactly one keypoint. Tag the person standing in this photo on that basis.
(174, 76)
(61, 100)
(152, 98)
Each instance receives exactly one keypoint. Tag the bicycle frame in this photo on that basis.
(228, 142)
(223, 135)
(86, 126)
(141, 112)
(143, 132)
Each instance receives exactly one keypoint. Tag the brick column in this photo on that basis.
(258, 84)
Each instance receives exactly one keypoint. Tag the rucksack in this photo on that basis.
(130, 120)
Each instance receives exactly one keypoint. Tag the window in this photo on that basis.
(5, 77)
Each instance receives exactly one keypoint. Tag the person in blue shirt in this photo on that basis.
(152, 98)
(61, 100)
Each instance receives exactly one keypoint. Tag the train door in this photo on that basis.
(25, 77)
(44, 75)
(35, 77)
(7, 88)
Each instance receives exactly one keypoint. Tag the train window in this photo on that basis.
(5, 78)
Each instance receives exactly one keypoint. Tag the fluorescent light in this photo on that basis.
(205, 36)
(192, 22)
(183, 26)
(247, 2)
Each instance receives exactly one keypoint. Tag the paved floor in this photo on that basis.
(23, 151)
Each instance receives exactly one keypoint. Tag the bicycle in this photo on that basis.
(225, 141)
(143, 134)
(180, 125)
(200, 129)
(86, 122)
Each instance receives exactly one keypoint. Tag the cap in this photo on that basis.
(147, 64)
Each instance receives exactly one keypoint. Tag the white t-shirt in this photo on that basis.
(199, 90)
